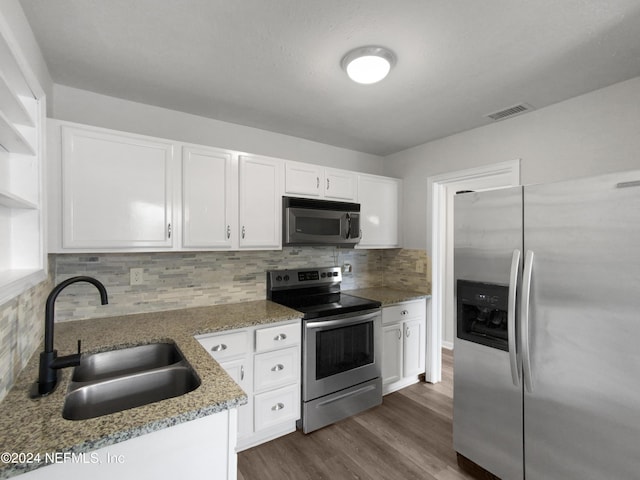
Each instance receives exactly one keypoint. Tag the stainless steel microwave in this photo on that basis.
(308, 221)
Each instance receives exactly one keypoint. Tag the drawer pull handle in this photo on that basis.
(219, 348)
(277, 406)
(277, 368)
(404, 312)
(279, 337)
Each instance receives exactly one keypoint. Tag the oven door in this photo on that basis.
(340, 351)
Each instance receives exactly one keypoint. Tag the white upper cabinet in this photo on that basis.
(209, 205)
(340, 184)
(304, 179)
(379, 199)
(260, 206)
(117, 190)
(113, 191)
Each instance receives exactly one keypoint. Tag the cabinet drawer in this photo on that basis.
(277, 368)
(225, 345)
(403, 311)
(272, 408)
(278, 337)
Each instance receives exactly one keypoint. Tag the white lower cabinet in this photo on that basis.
(265, 363)
(403, 346)
(391, 353)
(202, 448)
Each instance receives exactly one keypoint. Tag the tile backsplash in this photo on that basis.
(182, 280)
(185, 279)
(21, 331)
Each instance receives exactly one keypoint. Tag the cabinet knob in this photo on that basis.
(404, 312)
(280, 337)
(277, 406)
(277, 368)
(219, 348)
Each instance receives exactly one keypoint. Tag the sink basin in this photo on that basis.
(117, 380)
(114, 363)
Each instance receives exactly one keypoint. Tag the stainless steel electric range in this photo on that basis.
(341, 344)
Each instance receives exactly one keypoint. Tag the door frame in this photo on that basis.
(436, 248)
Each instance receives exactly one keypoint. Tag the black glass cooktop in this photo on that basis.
(318, 306)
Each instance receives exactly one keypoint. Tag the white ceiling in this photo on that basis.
(275, 64)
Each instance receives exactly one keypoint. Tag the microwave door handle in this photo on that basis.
(348, 225)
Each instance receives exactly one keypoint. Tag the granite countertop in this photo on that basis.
(386, 295)
(37, 426)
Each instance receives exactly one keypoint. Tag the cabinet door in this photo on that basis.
(303, 179)
(340, 184)
(207, 198)
(379, 202)
(116, 190)
(391, 353)
(260, 203)
(241, 373)
(413, 348)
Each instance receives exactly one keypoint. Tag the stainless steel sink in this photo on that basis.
(127, 378)
(114, 363)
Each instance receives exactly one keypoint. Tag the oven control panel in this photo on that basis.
(302, 277)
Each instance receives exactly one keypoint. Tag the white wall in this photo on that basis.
(94, 109)
(12, 15)
(595, 133)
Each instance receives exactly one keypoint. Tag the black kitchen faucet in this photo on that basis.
(50, 363)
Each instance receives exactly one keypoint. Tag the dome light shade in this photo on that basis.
(368, 65)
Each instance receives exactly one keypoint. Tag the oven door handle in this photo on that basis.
(345, 320)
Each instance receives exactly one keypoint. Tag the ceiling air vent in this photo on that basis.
(510, 112)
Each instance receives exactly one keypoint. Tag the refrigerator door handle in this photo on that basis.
(524, 316)
(511, 317)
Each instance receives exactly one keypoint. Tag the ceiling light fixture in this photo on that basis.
(368, 65)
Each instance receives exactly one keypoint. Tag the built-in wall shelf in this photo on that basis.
(22, 114)
(13, 105)
(13, 138)
(9, 200)
(15, 281)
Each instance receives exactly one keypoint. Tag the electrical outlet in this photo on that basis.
(419, 266)
(135, 276)
(347, 269)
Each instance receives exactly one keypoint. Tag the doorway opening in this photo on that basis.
(440, 192)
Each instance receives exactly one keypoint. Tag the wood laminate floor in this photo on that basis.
(408, 437)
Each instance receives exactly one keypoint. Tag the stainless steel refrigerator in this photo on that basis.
(547, 345)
